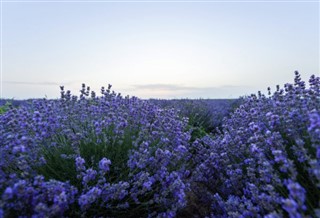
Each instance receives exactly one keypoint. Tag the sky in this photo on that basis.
(156, 49)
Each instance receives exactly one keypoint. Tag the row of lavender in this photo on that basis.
(206, 114)
(92, 156)
(114, 156)
(266, 162)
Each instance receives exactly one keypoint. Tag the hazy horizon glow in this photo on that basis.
(157, 49)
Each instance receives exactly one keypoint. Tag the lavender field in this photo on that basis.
(105, 155)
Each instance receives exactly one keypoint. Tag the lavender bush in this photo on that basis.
(92, 156)
(205, 114)
(114, 156)
(267, 160)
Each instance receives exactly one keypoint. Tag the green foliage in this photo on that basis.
(112, 147)
(59, 162)
(197, 133)
(5, 107)
(60, 158)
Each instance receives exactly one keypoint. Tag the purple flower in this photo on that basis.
(182, 149)
(104, 165)
(314, 121)
(18, 149)
(89, 175)
(291, 207)
(279, 157)
(80, 164)
(147, 185)
(89, 198)
(41, 209)
(296, 190)
(8, 193)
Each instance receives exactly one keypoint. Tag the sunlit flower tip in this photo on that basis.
(167, 152)
(18, 149)
(254, 148)
(182, 149)
(104, 164)
(268, 114)
(147, 185)
(290, 205)
(8, 193)
(296, 190)
(89, 175)
(80, 163)
(314, 121)
(36, 113)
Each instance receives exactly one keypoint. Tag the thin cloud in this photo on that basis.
(171, 87)
(172, 91)
(37, 83)
(168, 87)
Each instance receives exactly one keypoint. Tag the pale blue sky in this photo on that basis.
(157, 49)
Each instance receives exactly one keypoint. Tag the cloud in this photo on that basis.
(172, 87)
(168, 87)
(43, 83)
(181, 91)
